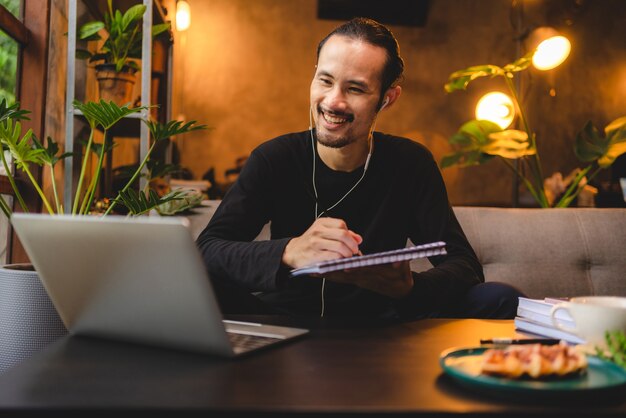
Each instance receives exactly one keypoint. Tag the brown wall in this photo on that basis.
(244, 69)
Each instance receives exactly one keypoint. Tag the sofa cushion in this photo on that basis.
(550, 252)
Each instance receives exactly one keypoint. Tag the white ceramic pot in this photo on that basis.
(28, 319)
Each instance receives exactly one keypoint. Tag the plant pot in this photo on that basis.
(115, 86)
(28, 320)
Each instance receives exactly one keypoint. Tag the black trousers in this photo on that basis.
(490, 300)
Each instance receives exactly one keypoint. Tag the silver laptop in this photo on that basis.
(135, 279)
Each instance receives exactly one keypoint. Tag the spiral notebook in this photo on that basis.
(385, 257)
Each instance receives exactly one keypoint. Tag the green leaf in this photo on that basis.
(132, 64)
(465, 158)
(520, 64)
(158, 168)
(615, 150)
(160, 28)
(138, 203)
(617, 124)
(119, 64)
(132, 15)
(510, 144)
(460, 79)
(12, 112)
(97, 147)
(83, 54)
(479, 130)
(615, 348)
(474, 144)
(186, 199)
(590, 146)
(161, 131)
(460, 139)
(20, 146)
(49, 155)
(89, 31)
(105, 114)
(451, 159)
(116, 22)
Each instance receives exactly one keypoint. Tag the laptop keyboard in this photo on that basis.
(244, 342)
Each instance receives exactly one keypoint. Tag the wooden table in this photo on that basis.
(340, 367)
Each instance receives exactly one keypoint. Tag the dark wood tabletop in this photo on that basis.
(340, 367)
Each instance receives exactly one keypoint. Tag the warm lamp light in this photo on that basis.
(496, 107)
(551, 48)
(551, 53)
(183, 15)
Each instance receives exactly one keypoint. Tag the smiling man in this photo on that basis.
(340, 189)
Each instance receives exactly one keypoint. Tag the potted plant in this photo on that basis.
(28, 320)
(118, 53)
(479, 141)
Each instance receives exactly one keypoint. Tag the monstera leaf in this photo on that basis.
(511, 144)
(591, 146)
(459, 80)
(472, 139)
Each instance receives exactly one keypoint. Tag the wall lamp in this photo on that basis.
(183, 15)
(551, 48)
(496, 107)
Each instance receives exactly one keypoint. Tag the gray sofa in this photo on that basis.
(549, 252)
(543, 252)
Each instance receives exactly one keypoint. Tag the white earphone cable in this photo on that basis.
(367, 162)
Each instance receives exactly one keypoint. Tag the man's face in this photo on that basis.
(345, 90)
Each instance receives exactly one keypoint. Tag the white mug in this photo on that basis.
(593, 316)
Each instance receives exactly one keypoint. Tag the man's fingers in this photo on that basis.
(329, 232)
(332, 243)
(326, 239)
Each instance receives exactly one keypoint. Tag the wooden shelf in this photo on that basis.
(131, 126)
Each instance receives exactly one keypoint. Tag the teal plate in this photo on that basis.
(463, 365)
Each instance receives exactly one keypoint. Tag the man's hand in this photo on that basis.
(394, 280)
(326, 239)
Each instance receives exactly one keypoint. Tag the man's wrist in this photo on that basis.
(285, 258)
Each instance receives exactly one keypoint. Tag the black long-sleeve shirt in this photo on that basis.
(402, 195)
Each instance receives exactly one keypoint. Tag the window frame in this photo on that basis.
(33, 35)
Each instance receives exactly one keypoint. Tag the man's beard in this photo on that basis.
(332, 142)
(328, 140)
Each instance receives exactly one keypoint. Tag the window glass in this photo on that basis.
(13, 6)
(8, 67)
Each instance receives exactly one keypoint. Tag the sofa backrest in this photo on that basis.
(550, 252)
(544, 252)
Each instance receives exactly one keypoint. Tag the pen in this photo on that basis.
(546, 341)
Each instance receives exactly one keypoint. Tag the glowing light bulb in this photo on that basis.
(551, 53)
(183, 15)
(496, 107)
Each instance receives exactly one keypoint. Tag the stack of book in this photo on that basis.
(533, 317)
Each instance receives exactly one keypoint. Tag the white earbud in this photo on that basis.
(367, 162)
(385, 103)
